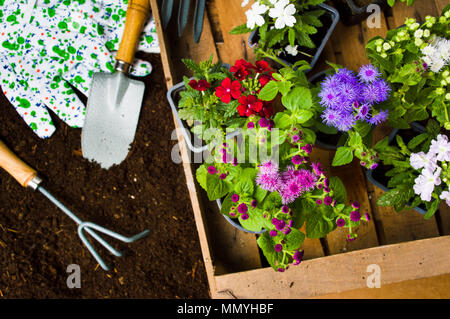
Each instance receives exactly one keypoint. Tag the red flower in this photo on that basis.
(201, 85)
(241, 69)
(262, 66)
(264, 79)
(228, 89)
(267, 111)
(249, 105)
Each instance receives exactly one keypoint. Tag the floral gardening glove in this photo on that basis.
(45, 48)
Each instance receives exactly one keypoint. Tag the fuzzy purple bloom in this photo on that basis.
(285, 209)
(318, 201)
(235, 198)
(367, 216)
(368, 73)
(250, 125)
(273, 233)
(278, 248)
(298, 257)
(223, 176)
(317, 168)
(295, 138)
(379, 118)
(254, 203)
(297, 160)
(340, 222)
(355, 216)
(307, 148)
(244, 216)
(327, 200)
(263, 122)
(211, 170)
(242, 208)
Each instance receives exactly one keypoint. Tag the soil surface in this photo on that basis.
(147, 191)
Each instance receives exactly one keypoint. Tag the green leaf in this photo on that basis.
(344, 155)
(298, 98)
(282, 120)
(273, 200)
(417, 140)
(432, 208)
(320, 223)
(255, 221)
(303, 116)
(294, 240)
(269, 91)
(201, 175)
(241, 29)
(267, 246)
(260, 194)
(339, 190)
(215, 187)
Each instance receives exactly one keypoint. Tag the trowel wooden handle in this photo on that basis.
(137, 13)
(15, 166)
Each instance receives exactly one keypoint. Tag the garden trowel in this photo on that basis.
(115, 100)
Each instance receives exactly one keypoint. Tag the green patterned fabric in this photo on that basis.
(49, 45)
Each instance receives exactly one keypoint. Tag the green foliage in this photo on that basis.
(418, 92)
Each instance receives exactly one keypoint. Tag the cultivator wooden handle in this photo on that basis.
(23, 173)
(137, 13)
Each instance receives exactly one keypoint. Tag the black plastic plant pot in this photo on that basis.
(354, 11)
(237, 224)
(194, 143)
(323, 140)
(378, 177)
(320, 39)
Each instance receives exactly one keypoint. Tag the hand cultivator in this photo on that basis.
(28, 177)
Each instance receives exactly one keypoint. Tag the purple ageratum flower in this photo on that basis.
(355, 216)
(307, 179)
(223, 176)
(278, 248)
(268, 167)
(263, 122)
(363, 111)
(367, 216)
(379, 118)
(280, 269)
(254, 203)
(295, 138)
(318, 201)
(287, 231)
(297, 160)
(330, 81)
(340, 222)
(211, 170)
(317, 168)
(307, 148)
(242, 208)
(269, 181)
(374, 165)
(329, 97)
(346, 76)
(327, 200)
(346, 122)
(355, 205)
(383, 89)
(273, 233)
(250, 125)
(285, 209)
(298, 257)
(244, 216)
(351, 237)
(368, 73)
(235, 198)
(331, 117)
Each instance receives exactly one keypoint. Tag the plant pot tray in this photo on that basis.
(405, 246)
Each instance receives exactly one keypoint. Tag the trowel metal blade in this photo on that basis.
(111, 119)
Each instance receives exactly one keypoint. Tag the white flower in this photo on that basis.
(441, 147)
(386, 46)
(425, 183)
(418, 33)
(422, 160)
(426, 33)
(418, 42)
(437, 55)
(414, 26)
(244, 3)
(254, 15)
(283, 12)
(292, 50)
(445, 195)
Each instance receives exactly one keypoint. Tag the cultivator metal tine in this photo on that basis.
(90, 227)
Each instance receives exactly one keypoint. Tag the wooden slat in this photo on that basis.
(443, 219)
(232, 47)
(441, 4)
(427, 288)
(342, 272)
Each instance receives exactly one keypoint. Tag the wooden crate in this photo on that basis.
(410, 250)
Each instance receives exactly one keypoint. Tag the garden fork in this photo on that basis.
(28, 177)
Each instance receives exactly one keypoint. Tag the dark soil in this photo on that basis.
(146, 191)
